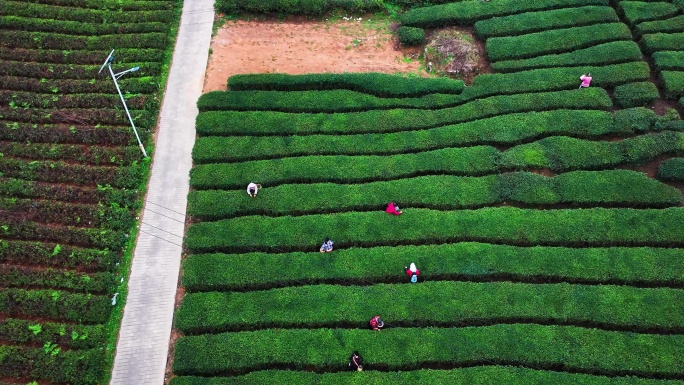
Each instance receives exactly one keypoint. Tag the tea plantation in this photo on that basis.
(546, 219)
(70, 177)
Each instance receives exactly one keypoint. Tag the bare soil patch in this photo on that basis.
(296, 46)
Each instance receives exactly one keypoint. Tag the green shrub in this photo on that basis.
(581, 228)
(53, 304)
(552, 79)
(457, 261)
(342, 168)
(544, 20)
(278, 123)
(529, 345)
(637, 119)
(410, 36)
(78, 367)
(479, 303)
(608, 53)
(636, 94)
(315, 101)
(554, 41)
(561, 153)
(468, 12)
(674, 24)
(662, 42)
(490, 374)
(67, 335)
(615, 187)
(672, 169)
(557, 153)
(669, 60)
(300, 7)
(673, 83)
(378, 84)
(637, 11)
(503, 130)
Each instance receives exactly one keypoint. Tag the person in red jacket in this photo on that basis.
(393, 209)
(413, 272)
(376, 323)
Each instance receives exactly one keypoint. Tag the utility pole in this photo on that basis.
(115, 77)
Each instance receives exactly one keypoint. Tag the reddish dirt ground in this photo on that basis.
(297, 47)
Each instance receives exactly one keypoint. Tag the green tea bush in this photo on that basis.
(614, 187)
(673, 83)
(468, 12)
(662, 42)
(557, 153)
(373, 83)
(68, 335)
(552, 79)
(476, 160)
(288, 307)
(671, 25)
(51, 254)
(490, 374)
(451, 261)
(564, 153)
(544, 20)
(580, 227)
(554, 41)
(530, 345)
(279, 123)
(508, 129)
(96, 16)
(636, 94)
(316, 101)
(669, 60)
(636, 119)
(80, 308)
(479, 303)
(672, 169)
(56, 365)
(637, 11)
(305, 7)
(602, 54)
(410, 36)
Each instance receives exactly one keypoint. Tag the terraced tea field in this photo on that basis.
(70, 177)
(545, 219)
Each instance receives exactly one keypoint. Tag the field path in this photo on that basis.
(148, 314)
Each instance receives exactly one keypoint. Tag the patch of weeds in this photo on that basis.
(452, 53)
(220, 20)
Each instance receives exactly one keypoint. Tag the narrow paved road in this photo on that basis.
(148, 314)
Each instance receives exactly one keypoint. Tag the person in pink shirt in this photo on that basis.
(393, 209)
(586, 80)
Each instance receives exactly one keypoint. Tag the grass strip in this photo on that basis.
(576, 228)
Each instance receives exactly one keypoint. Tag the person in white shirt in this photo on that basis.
(253, 189)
